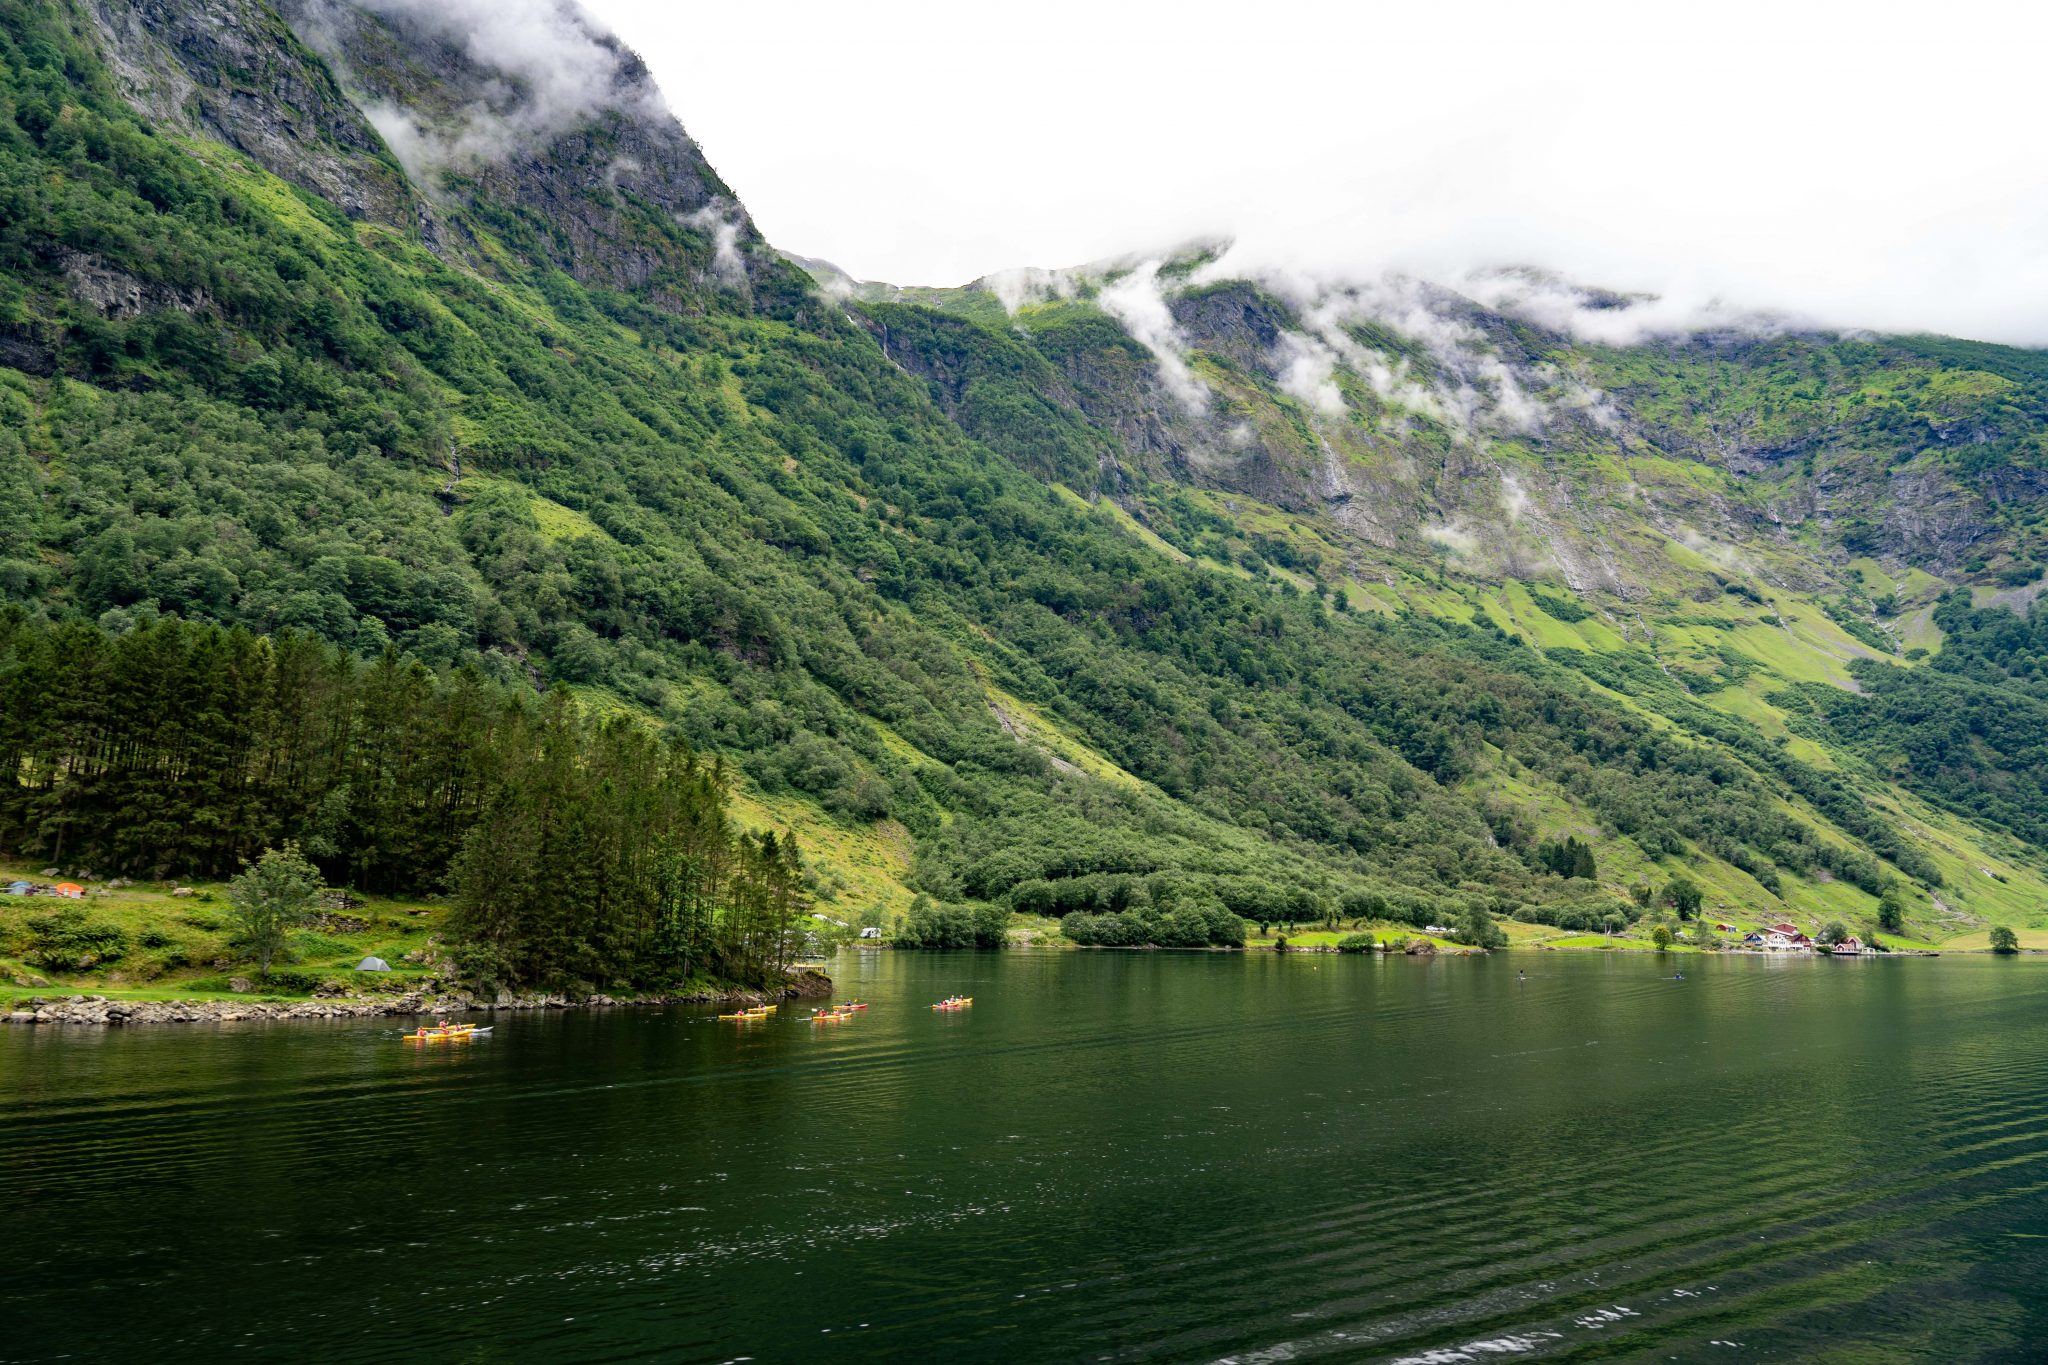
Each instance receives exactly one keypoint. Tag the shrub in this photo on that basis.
(1477, 929)
(1559, 608)
(69, 940)
(933, 925)
(1356, 943)
(1193, 925)
(991, 926)
(291, 983)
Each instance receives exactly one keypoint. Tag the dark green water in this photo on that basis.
(1110, 1157)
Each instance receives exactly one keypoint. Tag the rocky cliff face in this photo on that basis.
(537, 113)
(416, 115)
(233, 71)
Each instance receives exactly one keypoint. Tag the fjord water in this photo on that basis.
(1108, 1157)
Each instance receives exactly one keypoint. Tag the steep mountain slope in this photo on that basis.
(349, 319)
(1688, 514)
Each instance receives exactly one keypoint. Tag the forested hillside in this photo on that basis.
(992, 595)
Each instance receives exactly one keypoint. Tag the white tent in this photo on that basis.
(373, 964)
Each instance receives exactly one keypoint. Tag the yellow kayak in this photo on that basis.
(460, 1034)
(746, 1014)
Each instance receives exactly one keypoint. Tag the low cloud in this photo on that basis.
(722, 221)
(1024, 286)
(1455, 539)
(1307, 370)
(1137, 301)
(552, 68)
(1457, 377)
(1724, 557)
(1514, 499)
(1611, 319)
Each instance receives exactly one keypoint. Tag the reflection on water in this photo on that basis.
(1108, 1157)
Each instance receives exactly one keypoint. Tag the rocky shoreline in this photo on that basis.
(98, 1010)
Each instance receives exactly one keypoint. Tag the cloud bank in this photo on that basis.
(1861, 166)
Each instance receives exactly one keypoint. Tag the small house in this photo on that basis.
(1848, 947)
(870, 931)
(1724, 928)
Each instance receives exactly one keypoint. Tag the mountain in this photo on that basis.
(424, 328)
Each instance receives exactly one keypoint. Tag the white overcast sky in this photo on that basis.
(1862, 165)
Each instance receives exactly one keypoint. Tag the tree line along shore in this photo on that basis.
(505, 840)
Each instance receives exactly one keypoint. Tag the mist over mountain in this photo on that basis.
(1189, 579)
(1865, 172)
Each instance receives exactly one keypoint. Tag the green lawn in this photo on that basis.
(181, 947)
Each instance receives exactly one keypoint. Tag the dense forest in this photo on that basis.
(574, 850)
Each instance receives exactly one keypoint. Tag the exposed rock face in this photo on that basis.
(1234, 321)
(231, 70)
(393, 111)
(576, 141)
(118, 295)
(1931, 521)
